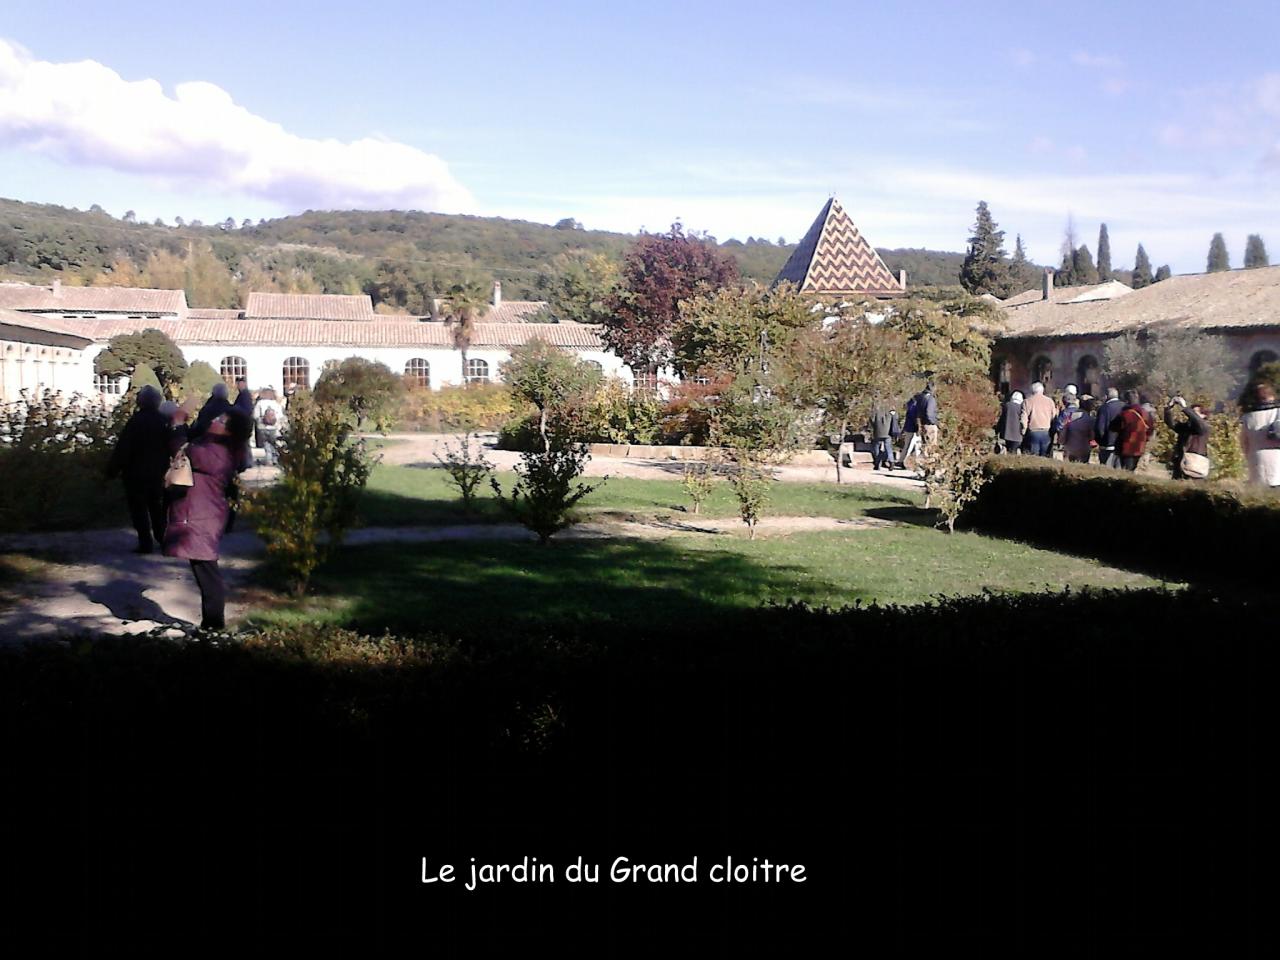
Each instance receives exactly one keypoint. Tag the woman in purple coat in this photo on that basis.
(198, 515)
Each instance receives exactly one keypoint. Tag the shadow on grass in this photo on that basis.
(914, 515)
(470, 588)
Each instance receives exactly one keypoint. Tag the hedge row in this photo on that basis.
(944, 774)
(1190, 531)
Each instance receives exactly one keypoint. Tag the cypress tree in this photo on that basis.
(1218, 258)
(1164, 273)
(1082, 268)
(1021, 272)
(1255, 252)
(985, 269)
(1141, 269)
(1066, 276)
(1104, 255)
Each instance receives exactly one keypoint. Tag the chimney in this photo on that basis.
(57, 288)
(497, 293)
(902, 279)
(1047, 293)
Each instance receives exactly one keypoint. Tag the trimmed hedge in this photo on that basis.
(1192, 531)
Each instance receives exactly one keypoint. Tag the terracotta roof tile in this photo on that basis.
(309, 306)
(43, 324)
(214, 313)
(23, 296)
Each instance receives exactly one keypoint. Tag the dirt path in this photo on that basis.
(93, 584)
(409, 448)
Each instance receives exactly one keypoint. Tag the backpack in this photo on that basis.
(269, 417)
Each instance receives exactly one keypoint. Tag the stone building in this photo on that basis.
(1059, 335)
(40, 352)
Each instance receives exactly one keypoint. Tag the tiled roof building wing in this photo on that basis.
(309, 306)
(60, 299)
(834, 258)
(40, 324)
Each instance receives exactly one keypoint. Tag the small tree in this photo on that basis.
(1255, 252)
(547, 488)
(700, 477)
(1104, 254)
(467, 467)
(1219, 259)
(367, 389)
(303, 517)
(551, 379)
(749, 481)
(1162, 274)
(198, 382)
(1082, 268)
(125, 352)
(1141, 269)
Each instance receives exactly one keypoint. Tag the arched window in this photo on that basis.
(1001, 374)
(1261, 359)
(477, 371)
(1089, 375)
(1042, 370)
(108, 386)
(418, 372)
(233, 369)
(296, 372)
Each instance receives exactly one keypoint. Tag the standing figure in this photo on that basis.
(910, 431)
(883, 429)
(1037, 417)
(1133, 428)
(269, 419)
(215, 406)
(927, 412)
(199, 515)
(1102, 431)
(1260, 435)
(1075, 428)
(141, 457)
(1009, 426)
(1192, 438)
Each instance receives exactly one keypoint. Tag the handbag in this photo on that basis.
(179, 472)
(1195, 466)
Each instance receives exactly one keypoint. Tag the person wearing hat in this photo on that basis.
(141, 457)
(1192, 438)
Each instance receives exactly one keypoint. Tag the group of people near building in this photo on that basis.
(180, 478)
(916, 432)
(1117, 429)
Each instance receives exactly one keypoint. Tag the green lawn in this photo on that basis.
(470, 587)
(411, 495)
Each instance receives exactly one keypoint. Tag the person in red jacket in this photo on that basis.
(1133, 428)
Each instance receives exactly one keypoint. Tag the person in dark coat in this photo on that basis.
(927, 412)
(141, 457)
(1133, 428)
(198, 514)
(1102, 431)
(1192, 433)
(910, 432)
(884, 429)
(1009, 426)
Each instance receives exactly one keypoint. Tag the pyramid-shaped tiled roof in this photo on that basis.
(835, 259)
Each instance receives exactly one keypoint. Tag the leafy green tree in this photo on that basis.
(1192, 363)
(1104, 254)
(1082, 269)
(125, 352)
(1022, 272)
(1164, 273)
(732, 331)
(1219, 260)
(551, 379)
(1141, 269)
(577, 286)
(1066, 275)
(658, 272)
(365, 388)
(198, 381)
(984, 269)
(1255, 252)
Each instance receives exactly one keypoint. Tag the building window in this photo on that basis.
(108, 386)
(418, 372)
(233, 369)
(296, 373)
(646, 382)
(1261, 359)
(1042, 370)
(477, 371)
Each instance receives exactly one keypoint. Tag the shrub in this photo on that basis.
(367, 390)
(554, 381)
(750, 485)
(467, 467)
(618, 414)
(520, 435)
(477, 407)
(322, 476)
(1186, 530)
(699, 480)
(53, 454)
(545, 491)
(197, 383)
(686, 415)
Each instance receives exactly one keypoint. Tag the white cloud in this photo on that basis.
(86, 114)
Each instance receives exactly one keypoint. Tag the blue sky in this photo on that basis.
(1162, 120)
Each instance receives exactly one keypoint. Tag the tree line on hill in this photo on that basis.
(399, 258)
(988, 269)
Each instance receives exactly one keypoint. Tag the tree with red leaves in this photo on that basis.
(658, 272)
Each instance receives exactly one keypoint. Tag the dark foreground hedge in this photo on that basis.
(1188, 531)
(999, 773)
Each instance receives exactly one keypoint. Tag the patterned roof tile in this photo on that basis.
(835, 259)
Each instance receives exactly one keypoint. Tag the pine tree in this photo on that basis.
(985, 269)
(1021, 272)
(1255, 252)
(1082, 268)
(1141, 269)
(1104, 255)
(1164, 273)
(1218, 258)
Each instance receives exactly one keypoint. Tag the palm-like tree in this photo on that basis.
(464, 307)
